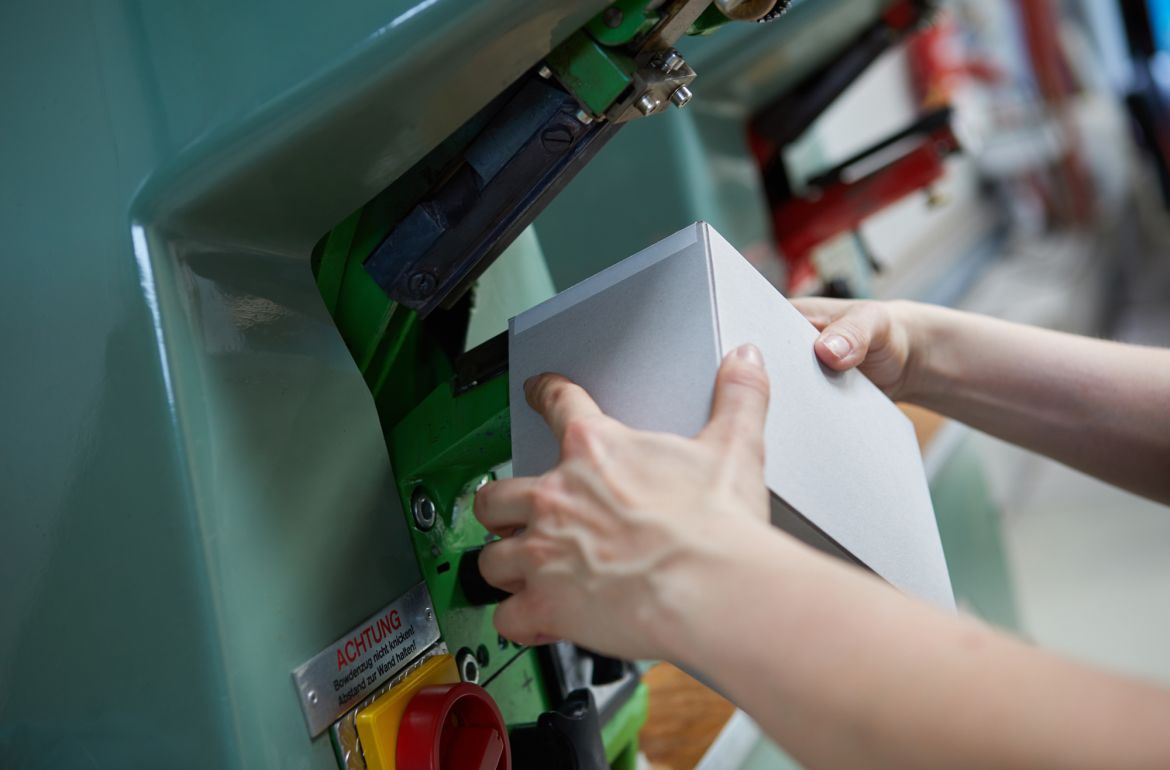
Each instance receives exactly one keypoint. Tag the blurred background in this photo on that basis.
(1007, 157)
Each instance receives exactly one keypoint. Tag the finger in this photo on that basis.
(502, 564)
(820, 311)
(845, 342)
(521, 619)
(559, 401)
(505, 506)
(740, 404)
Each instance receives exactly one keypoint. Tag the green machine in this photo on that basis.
(258, 258)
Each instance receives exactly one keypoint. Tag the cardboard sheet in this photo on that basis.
(645, 338)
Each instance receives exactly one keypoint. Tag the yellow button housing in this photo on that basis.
(377, 724)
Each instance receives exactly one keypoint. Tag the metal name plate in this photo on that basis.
(334, 680)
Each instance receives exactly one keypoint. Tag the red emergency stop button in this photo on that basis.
(453, 727)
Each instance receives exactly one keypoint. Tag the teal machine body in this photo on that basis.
(196, 485)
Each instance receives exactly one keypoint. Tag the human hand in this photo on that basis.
(876, 337)
(601, 549)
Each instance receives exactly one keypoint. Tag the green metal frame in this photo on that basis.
(443, 444)
(597, 75)
(447, 445)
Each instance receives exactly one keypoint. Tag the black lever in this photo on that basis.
(568, 738)
(477, 590)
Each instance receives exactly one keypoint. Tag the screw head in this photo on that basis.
(556, 138)
(422, 284)
(544, 72)
(584, 117)
(671, 61)
(681, 96)
(422, 507)
(312, 695)
(612, 17)
(647, 104)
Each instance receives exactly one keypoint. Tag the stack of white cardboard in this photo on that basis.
(645, 338)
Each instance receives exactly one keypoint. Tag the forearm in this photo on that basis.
(1101, 407)
(846, 672)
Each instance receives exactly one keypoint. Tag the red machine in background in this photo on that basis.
(838, 200)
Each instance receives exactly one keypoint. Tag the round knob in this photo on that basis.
(453, 727)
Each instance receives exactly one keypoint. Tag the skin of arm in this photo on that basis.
(1098, 406)
(645, 545)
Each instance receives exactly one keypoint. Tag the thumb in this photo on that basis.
(845, 342)
(740, 403)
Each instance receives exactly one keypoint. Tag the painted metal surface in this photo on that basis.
(193, 470)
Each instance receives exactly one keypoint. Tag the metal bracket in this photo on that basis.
(524, 156)
(662, 78)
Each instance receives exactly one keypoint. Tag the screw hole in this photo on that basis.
(468, 666)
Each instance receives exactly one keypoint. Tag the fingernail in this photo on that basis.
(837, 345)
(749, 353)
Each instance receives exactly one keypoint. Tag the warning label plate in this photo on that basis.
(336, 679)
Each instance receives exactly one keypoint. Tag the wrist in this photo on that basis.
(920, 326)
(704, 595)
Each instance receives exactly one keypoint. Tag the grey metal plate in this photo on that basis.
(343, 674)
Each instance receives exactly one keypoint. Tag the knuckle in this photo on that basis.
(582, 436)
(544, 496)
(849, 328)
(554, 390)
(752, 447)
(743, 440)
(752, 377)
(545, 391)
(538, 550)
(506, 624)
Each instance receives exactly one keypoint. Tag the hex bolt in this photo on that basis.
(681, 96)
(613, 17)
(468, 666)
(672, 61)
(647, 104)
(422, 284)
(544, 72)
(422, 507)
